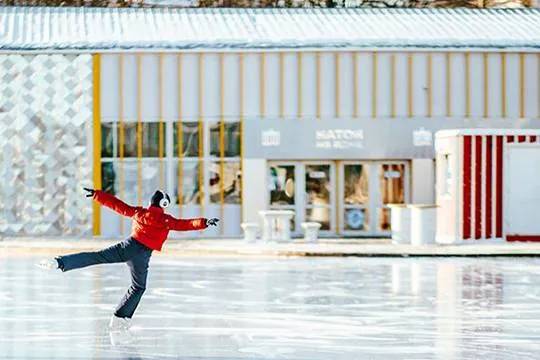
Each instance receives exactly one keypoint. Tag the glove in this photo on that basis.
(90, 193)
(212, 221)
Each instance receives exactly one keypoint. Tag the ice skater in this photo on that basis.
(149, 231)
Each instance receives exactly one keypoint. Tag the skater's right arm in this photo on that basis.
(114, 203)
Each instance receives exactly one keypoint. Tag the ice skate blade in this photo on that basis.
(119, 324)
(121, 337)
(47, 264)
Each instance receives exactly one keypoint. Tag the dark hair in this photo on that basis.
(157, 197)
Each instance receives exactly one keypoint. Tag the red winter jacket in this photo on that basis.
(151, 225)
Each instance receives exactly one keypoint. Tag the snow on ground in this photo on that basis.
(287, 308)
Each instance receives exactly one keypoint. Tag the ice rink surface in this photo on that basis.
(288, 308)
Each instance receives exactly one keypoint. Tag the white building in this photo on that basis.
(328, 112)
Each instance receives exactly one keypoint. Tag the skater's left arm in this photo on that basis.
(190, 224)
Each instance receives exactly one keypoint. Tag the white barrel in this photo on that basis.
(400, 220)
(423, 224)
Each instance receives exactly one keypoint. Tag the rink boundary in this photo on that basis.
(238, 248)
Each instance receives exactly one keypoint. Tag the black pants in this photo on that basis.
(136, 255)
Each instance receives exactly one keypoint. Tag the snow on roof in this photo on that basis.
(50, 29)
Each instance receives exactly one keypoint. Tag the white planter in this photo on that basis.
(400, 219)
(311, 231)
(423, 224)
(250, 232)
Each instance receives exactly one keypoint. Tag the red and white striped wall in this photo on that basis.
(482, 205)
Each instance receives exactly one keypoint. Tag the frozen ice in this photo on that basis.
(277, 308)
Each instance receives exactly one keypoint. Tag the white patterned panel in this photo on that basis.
(45, 123)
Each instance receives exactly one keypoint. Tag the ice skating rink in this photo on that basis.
(288, 308)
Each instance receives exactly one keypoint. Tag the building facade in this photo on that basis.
(330, 113)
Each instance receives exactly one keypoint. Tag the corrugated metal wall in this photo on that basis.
(327, 84)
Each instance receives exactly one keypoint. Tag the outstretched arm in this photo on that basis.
(112, 202)
(187, 224)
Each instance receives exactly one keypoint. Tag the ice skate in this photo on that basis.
(121, 338)
(48, 264)
(119, 324)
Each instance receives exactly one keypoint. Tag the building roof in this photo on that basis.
(49, 29)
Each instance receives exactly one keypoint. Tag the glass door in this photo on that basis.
(319, 197)
(355, 198)
(282, 189)
(392, 190)
(364, 192)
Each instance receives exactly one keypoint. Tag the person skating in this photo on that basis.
(150, 228)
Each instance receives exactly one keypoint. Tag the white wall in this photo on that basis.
(255, 194)
(422, 180)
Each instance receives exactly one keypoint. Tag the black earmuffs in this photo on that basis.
(161, 199)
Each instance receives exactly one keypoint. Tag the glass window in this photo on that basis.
(153, 176)
(356, 219)
(231, 139)
(392, 183)
(108, 177)
(384, 219)
(189, 178)
(150, 139)
(107, 139)
(356, 185)
(318, 184)
(231, 182)
(190, 139)
(281, 184)
(320, 215)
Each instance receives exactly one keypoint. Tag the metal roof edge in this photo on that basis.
(231, 49)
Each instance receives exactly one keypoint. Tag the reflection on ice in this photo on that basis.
(344, 308)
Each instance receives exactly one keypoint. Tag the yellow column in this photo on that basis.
(355, 84)
(139, 131)
(337, 84)
(121, 132)
(96, 123)
(299, 81)
(180, 139)
(318, 84)
(262, 84)
(221, 138)
(430, 85)
(503, 85)
(449, 84)
(281, 85)
(410, 74)
(374, 86)
(393, 85)
(161, 125)
(241, 110)
(467, 85)
(201, 130)
(521, 85)
(486, 85)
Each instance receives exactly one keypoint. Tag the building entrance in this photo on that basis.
(348, 198)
